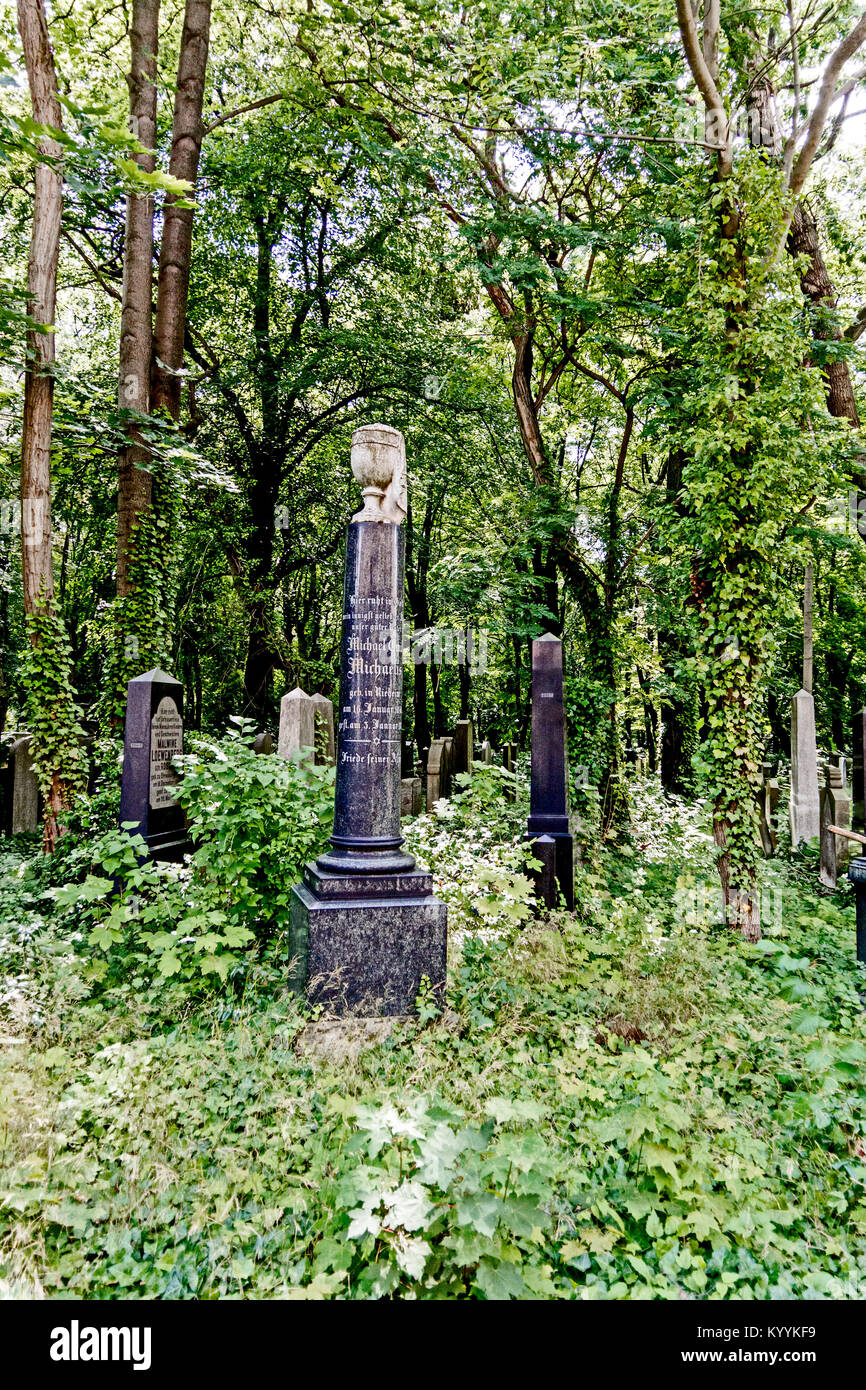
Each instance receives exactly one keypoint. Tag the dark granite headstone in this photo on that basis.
(858, 801)
(365, 926)
(548, 797)
(463, 746)
(857, 876)
(154, 736)
(407, 759)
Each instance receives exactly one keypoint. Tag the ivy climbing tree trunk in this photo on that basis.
(51, 710)
(134, 481)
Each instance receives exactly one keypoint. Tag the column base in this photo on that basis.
(556, 852)
(361, 946)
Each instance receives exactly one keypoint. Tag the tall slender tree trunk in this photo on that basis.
(134, 482)
(55, 776)
(36, 561)
(175, 252)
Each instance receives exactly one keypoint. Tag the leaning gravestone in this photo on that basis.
(153, 737)
(365, 926)
(548, 795)
(805, 806)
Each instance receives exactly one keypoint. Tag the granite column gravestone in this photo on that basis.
(154, 736)
(858, 763)
(548, 796)
(365, 926)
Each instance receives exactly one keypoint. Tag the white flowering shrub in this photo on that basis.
(473, 847)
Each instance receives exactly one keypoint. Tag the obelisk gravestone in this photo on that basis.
(153, 737)
(365, 926)
(548, 797)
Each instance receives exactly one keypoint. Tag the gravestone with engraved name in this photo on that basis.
(365, 926)
(153, 737)
(548, 796)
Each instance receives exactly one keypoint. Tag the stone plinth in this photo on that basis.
(153, 737)
(365, 926)
(805, 807)
(548, 799)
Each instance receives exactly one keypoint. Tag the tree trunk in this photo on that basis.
(818, 289)
(176, 247)
(134, 482)
(37, 569)
(36, 562)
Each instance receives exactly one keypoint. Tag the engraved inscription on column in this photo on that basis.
(370, 723)
(166, 742)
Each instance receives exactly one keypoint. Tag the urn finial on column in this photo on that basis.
(379, 466)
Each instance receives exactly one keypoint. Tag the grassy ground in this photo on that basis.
(629, 1103)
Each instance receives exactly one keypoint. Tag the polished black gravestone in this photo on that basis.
(365, 926)
(858, 763)
(154, 735)
(548, 797)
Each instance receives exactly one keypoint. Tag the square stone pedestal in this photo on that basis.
(360, 944)
(555, 851)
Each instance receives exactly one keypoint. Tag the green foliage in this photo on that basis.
(473, 845)
(53, 717)
(751, 422)
(254, 820)
(634, 1105)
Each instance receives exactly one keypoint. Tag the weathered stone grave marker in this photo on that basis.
(26, 801)
(438, 772)
(835, 812)
(323, 728)
(365, 926)
(805, 804)
(153, 737)
(297, 737)
(548, 797)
